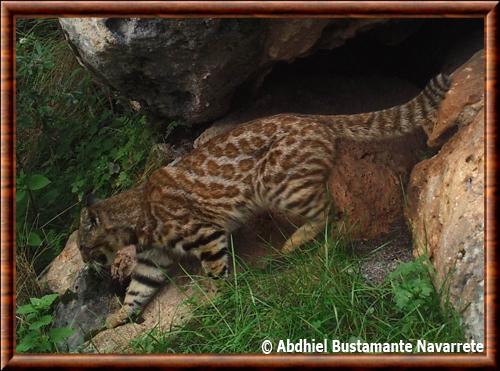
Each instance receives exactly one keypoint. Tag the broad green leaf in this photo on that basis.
(37, 181)
(34, 239)
(51, 196)
(24, 345)
(35, 302)
(20, 195)
(402, 298)
(26, 309)
(28, 342)
(426, 290)
(42, 321)
(30, 317)
(47, 300)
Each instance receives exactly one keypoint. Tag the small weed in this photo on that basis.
(34, 332)
(416, 298)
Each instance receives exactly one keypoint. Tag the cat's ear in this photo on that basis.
(89, 218)
(90, 199)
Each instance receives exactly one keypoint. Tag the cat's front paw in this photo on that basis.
(124, 263)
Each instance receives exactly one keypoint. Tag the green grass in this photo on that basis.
(315, 293)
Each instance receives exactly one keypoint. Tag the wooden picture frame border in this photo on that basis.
(488, 10)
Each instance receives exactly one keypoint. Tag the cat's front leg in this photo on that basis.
(148, 276)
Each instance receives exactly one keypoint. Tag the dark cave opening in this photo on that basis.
(378, 68)
(423, 52)
(422, 49)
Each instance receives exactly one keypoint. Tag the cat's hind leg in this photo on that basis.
(312, 206)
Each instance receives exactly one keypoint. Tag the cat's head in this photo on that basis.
(103, 231)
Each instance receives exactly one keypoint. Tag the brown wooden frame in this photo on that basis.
(488, 10)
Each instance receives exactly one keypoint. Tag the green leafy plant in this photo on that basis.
(411, 285)
(27, 188)
(38, 242)
(73, 136)
(34, 332)
(416, 299)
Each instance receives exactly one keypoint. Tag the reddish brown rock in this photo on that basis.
(463, 101)
(446, 199)
(367, 181)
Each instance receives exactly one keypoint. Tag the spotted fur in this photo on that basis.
(280, 162)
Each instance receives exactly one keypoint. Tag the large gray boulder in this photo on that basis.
(190, 69)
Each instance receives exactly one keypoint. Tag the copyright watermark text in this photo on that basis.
(336, 346)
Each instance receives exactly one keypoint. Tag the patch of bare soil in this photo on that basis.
(382, 255)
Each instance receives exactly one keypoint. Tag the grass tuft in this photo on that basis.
(315, 293)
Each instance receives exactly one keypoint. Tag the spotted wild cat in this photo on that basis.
(280, 162)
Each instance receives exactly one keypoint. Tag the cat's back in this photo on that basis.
(239, 148)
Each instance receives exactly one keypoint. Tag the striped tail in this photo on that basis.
(395, 121)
